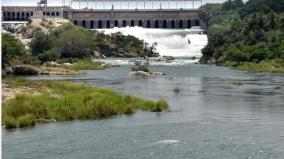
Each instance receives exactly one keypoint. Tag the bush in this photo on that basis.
(208, 50)
(160, 106)
(10, 122)
(49, 55)
(41, 42)
(12, 48)
(138, 66)
(74, 42)
(26, 121)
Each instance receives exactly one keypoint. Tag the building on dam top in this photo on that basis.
(96, 14)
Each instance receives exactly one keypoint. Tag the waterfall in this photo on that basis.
(177, 43)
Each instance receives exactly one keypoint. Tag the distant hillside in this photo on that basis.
(245, 36)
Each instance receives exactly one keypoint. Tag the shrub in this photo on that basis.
(11, 48)
(10, 122)
(138, 66)
(41, 42)
(49, 55)
(160, 106)
(74, 42)
(26, 121)
(129, 110)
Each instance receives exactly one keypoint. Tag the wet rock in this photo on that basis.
(208, 60)
(169, 58)
(26, 70)
(51, 63)
(67, 64)
(7, 70)
(145, 74)
(162, 58)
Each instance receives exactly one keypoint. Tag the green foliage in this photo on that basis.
(251, 32)
(10, 122)
(67, 101)
(263, 6)
(11, 48)
(86, 64)
(208, 50)
(41, 42)
(119, 43)
(49, 55)
(232, 4)
(74, 42)
(139, 66)
(160, 106)
(272, 66)
(26, 121)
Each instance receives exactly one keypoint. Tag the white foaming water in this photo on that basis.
(177, 61)
(168, 141)
(170, 42)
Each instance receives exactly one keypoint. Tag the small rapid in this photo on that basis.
(170, 42)
(178, 61)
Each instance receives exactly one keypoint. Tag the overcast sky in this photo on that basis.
(149, 4)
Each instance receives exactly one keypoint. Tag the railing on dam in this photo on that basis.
(134, 4)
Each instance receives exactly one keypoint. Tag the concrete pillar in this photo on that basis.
(79, 22)
(88, 24)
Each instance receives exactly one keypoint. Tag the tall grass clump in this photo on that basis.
(86, 64)
(63, 101)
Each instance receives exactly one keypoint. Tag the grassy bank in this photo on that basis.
(61, 101)
(271, 66)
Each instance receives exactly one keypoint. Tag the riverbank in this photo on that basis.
(32, 102)
(272, 66)
(71, 67)
(244, 38)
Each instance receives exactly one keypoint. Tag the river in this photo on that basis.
(219, 113)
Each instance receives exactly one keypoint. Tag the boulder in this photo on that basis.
(67, 64)
(7, 70)
(168, 58)
(26, 70)
(145, 74)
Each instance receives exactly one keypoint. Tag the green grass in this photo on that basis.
(63, 101)
(87, 64)
(271, 66)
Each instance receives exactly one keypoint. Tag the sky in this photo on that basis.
(107, 4)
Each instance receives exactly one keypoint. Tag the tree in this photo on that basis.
(41, 42)
(75, 42)
(208, 50)
(12, 48)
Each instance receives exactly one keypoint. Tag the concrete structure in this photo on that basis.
(23, 13)
(93, 19)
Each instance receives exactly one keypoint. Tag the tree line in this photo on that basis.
(244, 32)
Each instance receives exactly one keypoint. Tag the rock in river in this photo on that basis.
(146, 74)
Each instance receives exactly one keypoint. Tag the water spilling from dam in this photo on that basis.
(170, 42)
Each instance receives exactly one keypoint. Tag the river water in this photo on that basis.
(219, 113)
